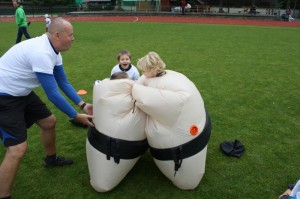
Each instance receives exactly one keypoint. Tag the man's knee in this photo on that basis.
(47, 123)
(17, 152)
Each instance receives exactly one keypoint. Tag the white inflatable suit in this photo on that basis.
(118, 139)
(176, 118)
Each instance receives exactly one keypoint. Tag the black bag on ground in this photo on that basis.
(233, 148)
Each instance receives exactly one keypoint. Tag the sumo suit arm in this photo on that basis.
(159, 103)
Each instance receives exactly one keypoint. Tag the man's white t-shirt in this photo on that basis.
(17, 73)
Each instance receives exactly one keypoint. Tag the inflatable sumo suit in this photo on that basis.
(118, 139)
(178, 127)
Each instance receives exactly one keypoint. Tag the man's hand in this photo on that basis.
(85, 119)
(88, 109)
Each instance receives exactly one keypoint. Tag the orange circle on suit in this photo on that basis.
(194, 130)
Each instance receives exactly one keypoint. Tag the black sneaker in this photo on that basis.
(59, 161)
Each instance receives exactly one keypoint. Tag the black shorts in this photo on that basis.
(17, 114)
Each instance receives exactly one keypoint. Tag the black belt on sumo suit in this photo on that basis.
(185, 150)
(116, 148)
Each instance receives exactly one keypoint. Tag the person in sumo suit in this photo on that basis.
(178, 126)
(118, 139)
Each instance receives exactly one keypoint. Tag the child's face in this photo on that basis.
(124, 61)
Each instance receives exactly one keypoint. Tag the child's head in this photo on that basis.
(124, 58)
(151, 65)
(46, 15)
(119, 75)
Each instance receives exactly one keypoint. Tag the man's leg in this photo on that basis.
(19, 35)
(48, 137)
(9, 167)
(26, 34)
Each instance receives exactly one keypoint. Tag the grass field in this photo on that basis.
(249, 78)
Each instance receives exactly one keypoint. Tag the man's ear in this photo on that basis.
(57, 35)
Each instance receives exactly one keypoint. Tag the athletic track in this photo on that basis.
(169, 19)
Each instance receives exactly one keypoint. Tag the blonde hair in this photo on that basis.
(151, 63)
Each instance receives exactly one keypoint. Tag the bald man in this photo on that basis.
(24, 67)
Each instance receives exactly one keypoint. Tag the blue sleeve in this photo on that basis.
(50, 87)
(64, 84)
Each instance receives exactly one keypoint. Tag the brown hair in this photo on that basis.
(124, 52)
(119, 75)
